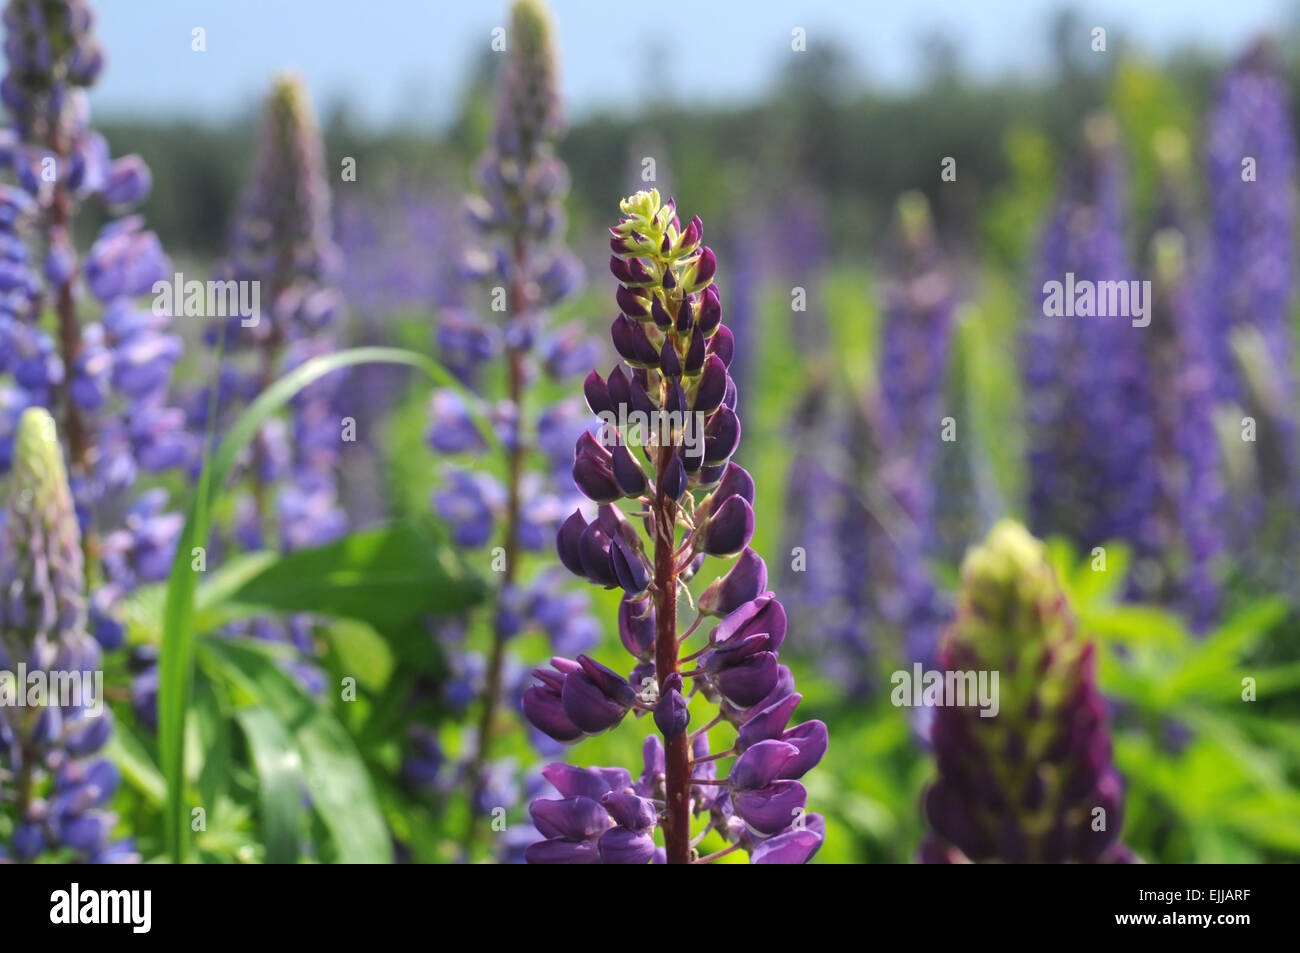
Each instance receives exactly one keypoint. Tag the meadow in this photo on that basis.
(316, 456)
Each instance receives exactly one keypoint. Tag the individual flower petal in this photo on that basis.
(770, 809)
(811, 739)
(621, 846)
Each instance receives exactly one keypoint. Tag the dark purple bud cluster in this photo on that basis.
(669, 428)
(1033, 783)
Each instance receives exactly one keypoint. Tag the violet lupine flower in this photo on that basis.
(916, 355)
(1033, 783)
(281, 240)
(52, 784)
(281, 246)
(107, 378)
(1251, 164)
(828, 587)
(1087, 380)
(398, 246)
(517, 221)
(694, 503)
(1191, 500)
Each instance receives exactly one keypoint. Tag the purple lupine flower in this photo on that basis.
(105, 379)
(281, 245)
(1251, 163)
(694, 499)
(517, 223)
(59, 787)
(1250, 155)
(1033, 781)
(828, 530)
(1087, 380)
(916, 354)
(1191, 500)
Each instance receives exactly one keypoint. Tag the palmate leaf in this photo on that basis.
(176, 663)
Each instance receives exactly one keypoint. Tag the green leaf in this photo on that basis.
(362, 653)
(213, 735)
(332, 767)
(131, 756)
(176, 665)
(279, 780)
(383, 577)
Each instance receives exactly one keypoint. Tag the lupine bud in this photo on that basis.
(743, 583)
(636, 627)
(765, 800)
(671, 713)
(627, 472)
(730, 527)
(543, 706)
(596, 698)
(631, 566)
(42, 625)
(1064, 803)
(43, 585)
(567, 543)
(674, 482)
(632, 344)
(723, 345)
(597, 394)
(593, 471)
(594, 553)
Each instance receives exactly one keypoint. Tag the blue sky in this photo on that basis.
(407, 60)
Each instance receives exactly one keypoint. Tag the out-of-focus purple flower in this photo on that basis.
(516, 224)
(1094, 480)
(59, 790)
(1251, 164)
(106, 373)
(1062, 801)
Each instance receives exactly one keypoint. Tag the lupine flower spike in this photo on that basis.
(51, 780)
(284, 260)
(517, 251)
(104, 372)
(1033, 783)
(1250, 165)
(692, 502)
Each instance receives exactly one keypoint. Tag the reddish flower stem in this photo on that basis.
(677, 812)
